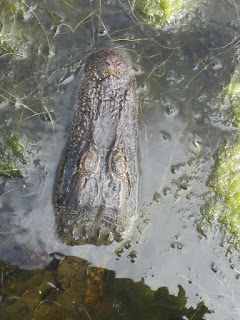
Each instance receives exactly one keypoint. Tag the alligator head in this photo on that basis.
(96, 184)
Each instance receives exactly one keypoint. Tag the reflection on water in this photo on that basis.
(69, 288)
(181, 73)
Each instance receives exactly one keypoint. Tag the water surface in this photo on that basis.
(181, 71)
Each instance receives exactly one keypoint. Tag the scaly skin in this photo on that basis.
(95, 194)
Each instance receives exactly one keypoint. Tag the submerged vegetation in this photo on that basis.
(163, 11)
(224, 205)
(14, 50)
(11, 155)
(232, 97)
(71, 289)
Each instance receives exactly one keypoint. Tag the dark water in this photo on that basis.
(172, 256)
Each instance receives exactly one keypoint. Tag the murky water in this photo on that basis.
(180, 72)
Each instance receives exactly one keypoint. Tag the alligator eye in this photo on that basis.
(119, 165)
(90, 161)
(107, 63)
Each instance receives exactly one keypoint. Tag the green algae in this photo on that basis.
(11, 155)
(11, 13)
(224, 206)
(232, 97)
(160, 12)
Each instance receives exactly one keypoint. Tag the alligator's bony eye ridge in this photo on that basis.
(90, 161)
(118, 164)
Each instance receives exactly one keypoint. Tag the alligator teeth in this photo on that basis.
(66, 230)
(99, 231)
(86, 233)
(75, 233)
(110, 236)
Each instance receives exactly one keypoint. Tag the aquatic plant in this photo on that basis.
(232, 97)
(161, 11)
(11, 35)
(224, 205)
(11, 155)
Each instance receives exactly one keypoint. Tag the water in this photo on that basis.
(181, 70)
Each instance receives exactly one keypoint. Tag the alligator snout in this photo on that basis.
(95, 225)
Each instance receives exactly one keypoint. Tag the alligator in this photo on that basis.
(96, 187)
